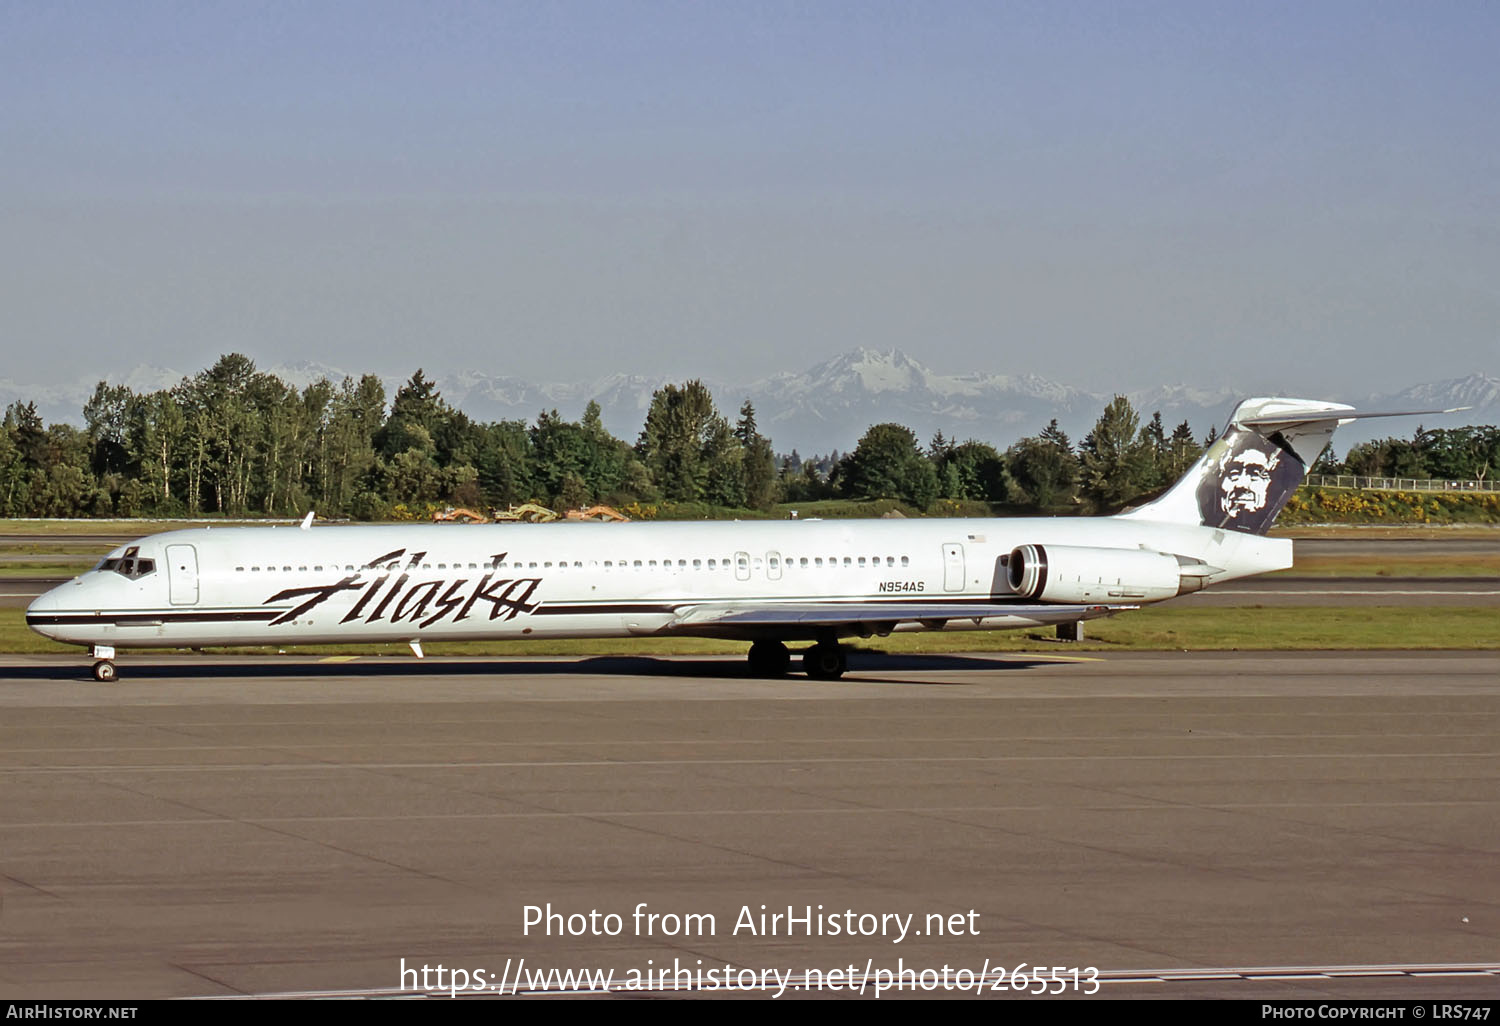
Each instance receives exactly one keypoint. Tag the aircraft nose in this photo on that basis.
(38, 616)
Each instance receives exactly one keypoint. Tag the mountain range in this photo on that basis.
(830, 405)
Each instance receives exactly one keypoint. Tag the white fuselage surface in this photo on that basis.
(280, 585)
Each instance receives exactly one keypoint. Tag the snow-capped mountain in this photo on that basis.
(830, 405)
(1478, 391)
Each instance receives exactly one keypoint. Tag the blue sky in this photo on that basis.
(1300, 196)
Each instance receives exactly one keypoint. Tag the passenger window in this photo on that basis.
(905, 561)
(861, 560)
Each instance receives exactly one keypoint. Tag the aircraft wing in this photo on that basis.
(877, 617)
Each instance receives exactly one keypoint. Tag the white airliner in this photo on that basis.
(767, 582)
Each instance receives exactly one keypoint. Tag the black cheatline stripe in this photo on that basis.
(548, 609)
(145, 619)
(766, 602)
(553, 609)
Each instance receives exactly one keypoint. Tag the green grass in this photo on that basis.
(123, 528)
(1162, 628)
(51, 546)
(1386, 532)
(1394, 566)
(59, 568)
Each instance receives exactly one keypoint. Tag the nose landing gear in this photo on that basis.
(104, 667)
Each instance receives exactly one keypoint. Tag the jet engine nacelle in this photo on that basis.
(1075, 573)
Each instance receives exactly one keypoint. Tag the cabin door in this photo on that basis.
(182, 574)
(953, 567)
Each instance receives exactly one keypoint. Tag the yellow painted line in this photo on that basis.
(338, 659)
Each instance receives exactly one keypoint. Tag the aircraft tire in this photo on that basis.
(104, 671)
(769, 659)
(824, 662)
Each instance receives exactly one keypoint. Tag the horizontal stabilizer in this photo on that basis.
(1290, 418)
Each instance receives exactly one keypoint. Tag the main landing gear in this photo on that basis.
(769, 659)
(824, 661)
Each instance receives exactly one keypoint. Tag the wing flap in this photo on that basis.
(883, 614)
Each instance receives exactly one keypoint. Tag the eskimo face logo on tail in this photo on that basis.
(1246, 481)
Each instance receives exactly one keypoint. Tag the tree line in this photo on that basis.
(236, 441)
(1448, 454)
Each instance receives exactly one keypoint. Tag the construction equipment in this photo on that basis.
(601, 513)
(455, 514)
(528, 512)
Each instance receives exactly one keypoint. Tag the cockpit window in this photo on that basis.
(129, 565)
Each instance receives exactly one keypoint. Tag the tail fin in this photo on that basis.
(1247, 476)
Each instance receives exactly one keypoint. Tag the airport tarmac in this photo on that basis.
(1192, 825)
(1292, 590)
